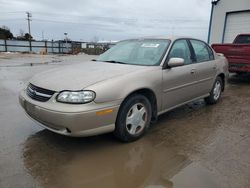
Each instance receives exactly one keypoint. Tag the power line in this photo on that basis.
(11, 19)
(132, 19)
(108, 18)
(12, 12)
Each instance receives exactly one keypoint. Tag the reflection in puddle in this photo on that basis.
(194, 176)
(99, 162)
(57, 161)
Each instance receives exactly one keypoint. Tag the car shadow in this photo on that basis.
(236, 79)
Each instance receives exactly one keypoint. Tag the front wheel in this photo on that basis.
(133, 118)
(215, 92)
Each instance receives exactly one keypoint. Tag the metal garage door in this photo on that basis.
(236, 23)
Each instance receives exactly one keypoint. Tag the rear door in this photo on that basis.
(205, 67)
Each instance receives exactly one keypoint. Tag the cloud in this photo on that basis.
(109, 19)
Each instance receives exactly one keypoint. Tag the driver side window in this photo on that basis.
(180, 49)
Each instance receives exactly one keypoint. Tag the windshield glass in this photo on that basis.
(242, 39)
(147, 52)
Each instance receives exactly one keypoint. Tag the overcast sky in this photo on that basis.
(107, 19)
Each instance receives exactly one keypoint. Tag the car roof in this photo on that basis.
(172, 38)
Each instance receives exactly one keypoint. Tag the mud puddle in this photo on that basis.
(56, 161)
(53, 62)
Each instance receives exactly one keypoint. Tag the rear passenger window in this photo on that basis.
(242, 39)
(202, 51)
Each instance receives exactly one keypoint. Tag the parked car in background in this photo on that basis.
(237, 53)
(126, 88)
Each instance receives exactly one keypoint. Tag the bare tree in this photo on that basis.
(5, 27)
(21, 33)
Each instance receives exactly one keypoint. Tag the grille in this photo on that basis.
(38, 93)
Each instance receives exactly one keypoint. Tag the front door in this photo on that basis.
(179, 82)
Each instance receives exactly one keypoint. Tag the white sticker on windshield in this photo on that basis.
(150, 45)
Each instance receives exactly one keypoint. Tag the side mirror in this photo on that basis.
(175, 62)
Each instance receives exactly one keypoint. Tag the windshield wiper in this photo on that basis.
(113, 61)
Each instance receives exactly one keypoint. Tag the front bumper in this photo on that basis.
(70, 119)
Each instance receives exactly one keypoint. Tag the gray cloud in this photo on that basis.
(109, 19)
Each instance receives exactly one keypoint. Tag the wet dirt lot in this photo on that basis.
(193, 146)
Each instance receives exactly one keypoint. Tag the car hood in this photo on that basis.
(82, 75)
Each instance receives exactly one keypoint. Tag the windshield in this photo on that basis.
(147, 52)
(242, 39)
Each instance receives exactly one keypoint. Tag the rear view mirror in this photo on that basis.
(175, 62)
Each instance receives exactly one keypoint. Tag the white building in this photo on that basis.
(228, 19)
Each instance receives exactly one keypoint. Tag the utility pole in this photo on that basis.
(28, 19)
(66, 40)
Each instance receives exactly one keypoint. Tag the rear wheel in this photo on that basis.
(133, 118)
(215, 92)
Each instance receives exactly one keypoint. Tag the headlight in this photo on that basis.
(76, 97)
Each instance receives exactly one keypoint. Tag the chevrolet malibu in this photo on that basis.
(126, 88)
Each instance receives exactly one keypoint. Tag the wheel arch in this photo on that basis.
(222, 76)
(150, 95)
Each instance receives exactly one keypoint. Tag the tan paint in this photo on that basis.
(112, 83)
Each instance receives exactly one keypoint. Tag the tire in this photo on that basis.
(216, 91)
(239, 74)
(133, 118)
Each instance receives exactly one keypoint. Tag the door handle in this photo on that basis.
(193, 71)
